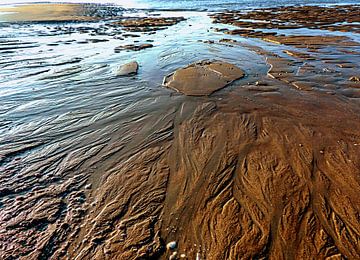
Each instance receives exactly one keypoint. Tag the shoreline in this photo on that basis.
(152, 9)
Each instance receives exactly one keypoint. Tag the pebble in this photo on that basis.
(173, 256)
(171, 245)
(259, 83)
(127, 69)
(355, 79)
(198, 256)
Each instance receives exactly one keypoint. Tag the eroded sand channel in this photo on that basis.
(97, 166)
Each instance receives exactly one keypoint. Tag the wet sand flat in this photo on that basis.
(45, 12)
(132, 134)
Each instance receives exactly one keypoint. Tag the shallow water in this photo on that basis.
(197, 4)
(57, 73)
(54, 77)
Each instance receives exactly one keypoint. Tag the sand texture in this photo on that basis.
(119, 139)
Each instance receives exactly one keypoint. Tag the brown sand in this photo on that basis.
(257, 176)
(269, 170)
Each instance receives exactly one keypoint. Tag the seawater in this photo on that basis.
(196, 4)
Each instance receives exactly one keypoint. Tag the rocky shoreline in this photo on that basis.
(131, 134)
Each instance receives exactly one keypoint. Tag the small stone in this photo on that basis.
(227, 40)
(209, 41)
(260, 83)
(97, 40)
(173, 256)
(198, 256)
(133, 47)
(355, 79)
(171, 245)
(128, 69)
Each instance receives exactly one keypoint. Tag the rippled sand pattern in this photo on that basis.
(95, 166)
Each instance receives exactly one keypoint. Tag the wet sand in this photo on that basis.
(265, 165)
(45, 13)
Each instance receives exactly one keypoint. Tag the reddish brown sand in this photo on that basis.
(236, 181)
(267, 170)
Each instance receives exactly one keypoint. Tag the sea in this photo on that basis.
(210, 5)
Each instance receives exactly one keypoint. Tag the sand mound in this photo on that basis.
(203, 78)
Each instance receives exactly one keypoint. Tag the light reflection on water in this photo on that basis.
(48, 82)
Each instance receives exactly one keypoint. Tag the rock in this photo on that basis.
(351, 93)
(198, 256)
(145, 24)
(97, 40)
(208, 41)
(126, 35)
(228, 40)
(128, 69)
(355, 79)
(173, 256)
(203, 78)
(327, 18)
(299, 55)
(346, 65)
(171, 245)
(302, 85)
(260, 83)
(133, 47)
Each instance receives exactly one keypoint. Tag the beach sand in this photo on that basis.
(45, 12)
(113, 146)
